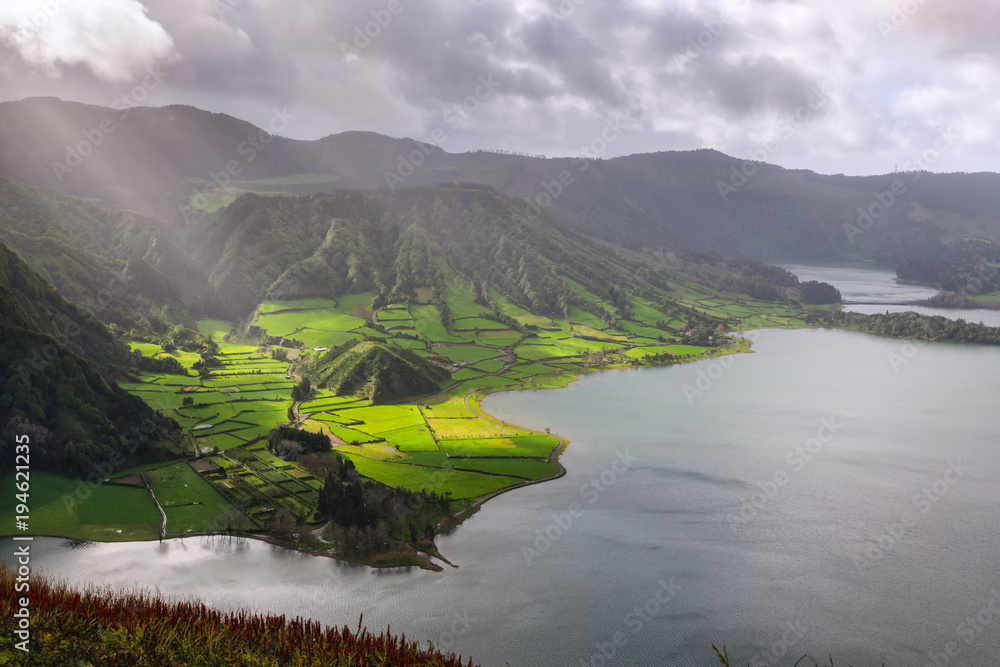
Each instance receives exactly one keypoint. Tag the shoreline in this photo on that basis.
(452, 522)
(473, 400)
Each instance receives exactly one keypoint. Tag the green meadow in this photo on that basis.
(441, 443)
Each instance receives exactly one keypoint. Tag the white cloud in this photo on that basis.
(115, 39)
(563, 74)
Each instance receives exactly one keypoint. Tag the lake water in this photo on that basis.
(834, 492)
(862, 282)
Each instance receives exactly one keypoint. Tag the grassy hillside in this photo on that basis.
(122, 266)
(52, 391)
(377, 371)
(172, 162)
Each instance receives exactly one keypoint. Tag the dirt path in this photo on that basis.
(163, 526)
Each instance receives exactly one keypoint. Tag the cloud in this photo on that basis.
(687, 74)
(114, 39)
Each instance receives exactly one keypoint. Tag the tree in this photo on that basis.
(301, 391)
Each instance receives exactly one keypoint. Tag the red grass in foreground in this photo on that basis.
(121, 627)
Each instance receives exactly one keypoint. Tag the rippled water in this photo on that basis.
(771, 501)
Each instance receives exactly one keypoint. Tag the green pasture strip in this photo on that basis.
(427, 321)
(645, 311)
(147, 349)
(418, 478)
(468, 428)
(65, 507)
(465, 374)
(412, 439)
(579, 316)
(520, 314)
(537, 352)
(470, 323)
(349, 435)
(296, 304)
(446, 407)
(530, 446)
(676, 350)
(498, 339)
(467, 353)
(191, 503)
(489, 365)
(515, 467)
(394, 315)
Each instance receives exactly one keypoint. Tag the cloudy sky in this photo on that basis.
(845, 86)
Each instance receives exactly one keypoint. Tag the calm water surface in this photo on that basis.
(864, 283)
(834, 492)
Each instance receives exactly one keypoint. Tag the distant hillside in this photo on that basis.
(381, 372)
(52, 392)
(157, 159)
(393, 243)
(119, 264)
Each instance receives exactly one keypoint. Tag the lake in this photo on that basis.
(863, 282)
(833, 492)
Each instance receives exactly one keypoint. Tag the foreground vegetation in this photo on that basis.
(121, 627)
(723, 656)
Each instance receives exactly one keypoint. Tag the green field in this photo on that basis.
(467, 353)
(428, 324)
(69, 508)
(461, 484)
(532, 446)
(441, 444)
(191, 503)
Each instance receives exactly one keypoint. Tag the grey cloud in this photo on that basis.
(564, 66)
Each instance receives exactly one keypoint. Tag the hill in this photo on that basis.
(123, 266)
(53, 392)
(178, 163)
(378, 371)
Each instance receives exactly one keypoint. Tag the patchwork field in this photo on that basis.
(442, 443)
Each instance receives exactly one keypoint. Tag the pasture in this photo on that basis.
(443, 444)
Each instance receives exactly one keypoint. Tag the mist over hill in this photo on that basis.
(160, 160)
